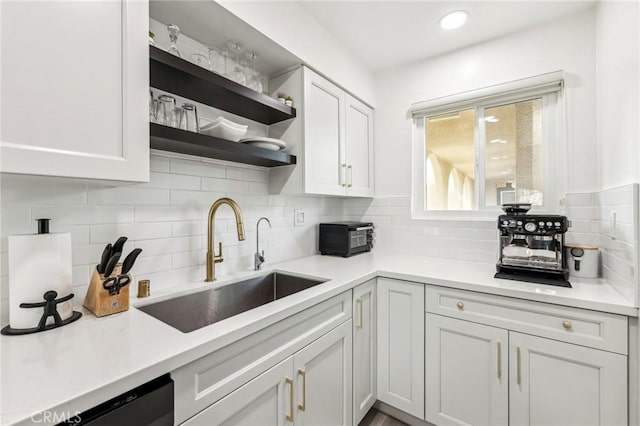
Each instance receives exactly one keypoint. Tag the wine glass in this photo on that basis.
(201, 60)
(254, 82)
(216, 60)
(236, 73)
(225, 63)
(174, 32)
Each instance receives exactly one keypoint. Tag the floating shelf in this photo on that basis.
(175, 75)
(176, 140)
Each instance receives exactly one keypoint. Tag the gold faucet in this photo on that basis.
(212, 258)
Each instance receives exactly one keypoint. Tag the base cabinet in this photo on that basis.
(401, 345)
(556, 383)
(312, 387)
(364, 349)
(466, 372)
(479, 374)
(264, 400)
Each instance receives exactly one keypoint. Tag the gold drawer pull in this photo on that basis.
(359, 307)
(303, 406)
(499, 360)
(289, 381)
(567, 325)
(460, 305)
(518, 372)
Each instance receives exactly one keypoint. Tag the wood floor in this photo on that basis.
(377, 418)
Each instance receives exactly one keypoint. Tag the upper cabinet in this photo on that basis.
(75, 89)
(334, 139)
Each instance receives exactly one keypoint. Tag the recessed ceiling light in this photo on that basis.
(491, 119)
(453, 20)
(498, 141)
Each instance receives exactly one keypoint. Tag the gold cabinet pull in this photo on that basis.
(289, 381)
(460, 305)
(344, 174)
(303, 405)
(499, 360)
(567, 325)
(350, 169)
(518, 372)
(359, 307)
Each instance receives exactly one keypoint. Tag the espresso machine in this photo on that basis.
(532, 246)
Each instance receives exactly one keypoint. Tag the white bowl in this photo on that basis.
(222, 129)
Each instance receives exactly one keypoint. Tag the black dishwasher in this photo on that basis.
(150, 404)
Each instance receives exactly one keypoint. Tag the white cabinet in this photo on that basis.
(466, 370)
(332, 138)
(75, 89)
(556, 383)
(338, 140)
(312, 387)
(401, 345)
(265, 400)
(323, 380)
(364, 349)
(547, 382)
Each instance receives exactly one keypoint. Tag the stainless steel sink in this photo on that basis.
(197, 310)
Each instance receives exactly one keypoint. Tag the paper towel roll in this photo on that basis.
(38, 263)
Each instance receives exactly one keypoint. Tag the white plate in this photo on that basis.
(265, 145)
(279, 144)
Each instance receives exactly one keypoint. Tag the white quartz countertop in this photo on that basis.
(73, 368)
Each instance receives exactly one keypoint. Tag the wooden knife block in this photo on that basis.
(99, 301)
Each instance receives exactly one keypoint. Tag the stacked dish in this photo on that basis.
(225, 129)
(266, 143)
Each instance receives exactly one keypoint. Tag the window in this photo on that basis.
(475, 151)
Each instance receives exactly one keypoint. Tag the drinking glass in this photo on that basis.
(189, 118)
(153, 106)
(236, 73)
(254, 82)
(174, 32)
(201, 60)
(165, 113)
(216, 60)
(225, 63)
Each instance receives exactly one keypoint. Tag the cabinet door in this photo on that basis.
(466, 373)
(324, 156)
(401, 345)
(556, 383)
(364, 349)
(359, 148)
(75, 89)
(265, 400)
(323, 380)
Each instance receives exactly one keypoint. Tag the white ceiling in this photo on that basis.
(389, 33)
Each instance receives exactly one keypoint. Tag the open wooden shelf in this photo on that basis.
(175, 75)
(176, 140)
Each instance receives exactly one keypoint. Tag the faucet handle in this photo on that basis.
(218, 257)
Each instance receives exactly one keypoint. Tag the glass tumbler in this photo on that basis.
(165, 113)
(153, 107)
(189, 118)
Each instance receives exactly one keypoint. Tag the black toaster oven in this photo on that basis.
(346, 238)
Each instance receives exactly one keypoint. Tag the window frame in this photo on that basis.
(548, 87)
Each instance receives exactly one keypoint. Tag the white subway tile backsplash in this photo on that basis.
(159, 163)
(194, 198)
(16, 216)
(83, 215)
(173, 181)
(224, 185)
(17, 190)
(128, 196)
(134, 231)
(196, 168)
(168, 213)
(253, 175)
(163, 246)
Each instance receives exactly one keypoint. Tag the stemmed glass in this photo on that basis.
(174, 32)
(236, 73)
(215, 60)
(254, 82)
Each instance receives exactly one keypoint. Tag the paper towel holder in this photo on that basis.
(50, 310)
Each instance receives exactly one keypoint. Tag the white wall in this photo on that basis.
(618, 93)
(165, 217)
(566, 44)
(294, 29)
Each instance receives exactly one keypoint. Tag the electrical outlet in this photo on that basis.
(298, 217)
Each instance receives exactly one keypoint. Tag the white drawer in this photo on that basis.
(206, 380)
(583, 327)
